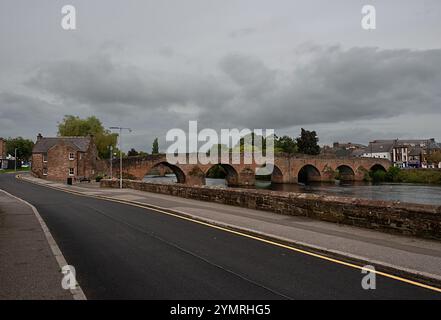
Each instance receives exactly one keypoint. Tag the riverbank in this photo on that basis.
(397, 175)
(427, 176)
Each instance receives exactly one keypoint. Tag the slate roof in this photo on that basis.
(44, 144)
(379, 146)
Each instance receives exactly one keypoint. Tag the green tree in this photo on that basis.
(132, 153)
(434, 157)
(285, 144)
(250, 143)
(378, 176)
(216, 172)
(75, 126)
(155, 146)
(23, 146)
(307, 143)
(219, 147)
(392, 174)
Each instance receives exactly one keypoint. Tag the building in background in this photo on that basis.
(403, 153)
(60, 158)
(3, 154)
(379, 149)
(345, 149)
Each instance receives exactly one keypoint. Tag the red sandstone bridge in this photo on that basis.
(287, 169)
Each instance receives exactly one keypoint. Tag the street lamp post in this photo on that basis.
(111, 162)
(120, 152)
(15, 160)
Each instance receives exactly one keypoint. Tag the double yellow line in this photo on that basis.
(184, 216)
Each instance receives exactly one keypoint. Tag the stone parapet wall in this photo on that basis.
(387, 216)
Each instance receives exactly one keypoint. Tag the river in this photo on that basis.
(413, 193)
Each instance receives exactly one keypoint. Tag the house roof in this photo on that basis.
(358, 152)
(434, 145)
(44, 144)
(379, 146)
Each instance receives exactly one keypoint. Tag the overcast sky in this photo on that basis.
(282, 64)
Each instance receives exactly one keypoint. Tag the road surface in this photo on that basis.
(126, 252)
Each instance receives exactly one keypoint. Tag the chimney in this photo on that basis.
(39, 137)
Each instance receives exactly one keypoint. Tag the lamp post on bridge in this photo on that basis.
(120, 152)
(15, 160)
(111, 161)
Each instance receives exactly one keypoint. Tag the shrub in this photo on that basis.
(378, 176)
(392, 174)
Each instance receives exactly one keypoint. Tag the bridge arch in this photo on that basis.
(179, 173)
(276, 175)
(224, 171)
(377, 167)
(345, 173)
(308, 173)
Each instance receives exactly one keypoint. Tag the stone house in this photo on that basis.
(60, 158)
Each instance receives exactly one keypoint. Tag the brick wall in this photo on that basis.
(37, 165)
(58, 162)
(90, 161)
(408, 219)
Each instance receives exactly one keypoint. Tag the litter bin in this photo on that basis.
(69, 181)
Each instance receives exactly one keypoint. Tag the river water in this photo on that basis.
(413, 193)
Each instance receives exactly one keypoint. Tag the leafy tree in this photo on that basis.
(219, 147)
(285, 144)
(217, 172)
(23, 146)
(378, 176)
(244, 146)
(75, 126)
(132, 153)
(392, 174)
(307, 143)
(155, 146)
(434, 157)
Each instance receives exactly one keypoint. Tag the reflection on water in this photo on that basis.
(414, 193)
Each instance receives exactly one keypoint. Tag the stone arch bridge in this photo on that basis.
(287, 169)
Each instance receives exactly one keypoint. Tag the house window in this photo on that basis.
(45, 171)
(44, 157)
(71, 156)
(71, 171)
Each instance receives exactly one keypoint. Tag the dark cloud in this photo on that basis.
(336, 85)
(23, 113)
(323, 86)
(333, 85)
(155, 65)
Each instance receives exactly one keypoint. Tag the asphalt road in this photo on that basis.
(125, 252)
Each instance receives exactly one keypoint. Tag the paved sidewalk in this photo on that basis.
(28, 269)
(409, 254)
